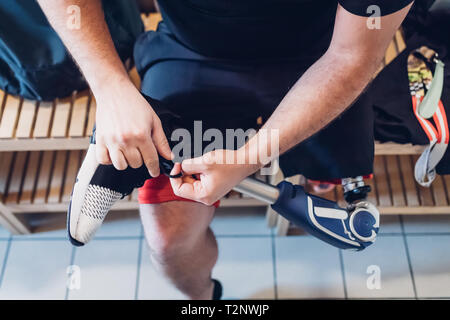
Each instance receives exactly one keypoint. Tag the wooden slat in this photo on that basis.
(439, 192)
(395, 183)
(2, 98)
(56, 182)
(71, 174)
(382, 186)
(78, 118)
(390, 148)
(91, 117)
(151, 21)
(409, 184)
(16, 177)
(12, 223)
(27, 116)
(61, 119)
(400, 41)
(6, 159)
(37, 144)
(46, 163)
(372, 196)
(391, 53)
(446, 181)
(43, 120)
(10, 116)
(426, 198)
(26, 196)
(134, 76)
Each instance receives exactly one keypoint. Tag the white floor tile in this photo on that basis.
(120, 228)
(240, 221)
(108, 269)
(4, 233)
(390, 224)
(385, 260)
(430, 260)
(307, 268)
(55, 234)
(36, 270)
(426, 223)
(245, 268)
(152, 286)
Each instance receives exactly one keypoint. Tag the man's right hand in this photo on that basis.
(128, 131)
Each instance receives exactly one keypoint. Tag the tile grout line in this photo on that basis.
(71, 262)
(274, 265)
(344, 279)
(408, 257)
(138, 267)
(5, 260)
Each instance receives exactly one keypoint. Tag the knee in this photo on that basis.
(169, 243)
(169, 234)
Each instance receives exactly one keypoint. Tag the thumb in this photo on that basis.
(193, 166)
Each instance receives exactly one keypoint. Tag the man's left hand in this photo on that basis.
(208, 178)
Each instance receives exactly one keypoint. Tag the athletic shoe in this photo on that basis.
(98, 187)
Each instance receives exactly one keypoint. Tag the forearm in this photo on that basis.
(91, 46)
(319, 96)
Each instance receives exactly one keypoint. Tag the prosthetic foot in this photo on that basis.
(354, 227)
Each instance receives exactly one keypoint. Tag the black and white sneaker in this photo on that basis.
(98, 187)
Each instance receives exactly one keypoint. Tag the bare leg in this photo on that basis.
(183, 247)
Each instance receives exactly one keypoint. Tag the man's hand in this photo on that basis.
(128, 130)
(214, 177)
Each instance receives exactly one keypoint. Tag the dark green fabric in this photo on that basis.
(34, 62)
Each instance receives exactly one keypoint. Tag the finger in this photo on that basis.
(160, 140)
(117, 159)
(133, 157)
(102, 154)
(193, 166)
(192, 190)
(150, 158)
(176, 170)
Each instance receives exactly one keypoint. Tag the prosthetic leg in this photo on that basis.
(354, 227)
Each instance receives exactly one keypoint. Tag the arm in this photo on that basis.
(315, 100)
(128, 130)
(352, 59)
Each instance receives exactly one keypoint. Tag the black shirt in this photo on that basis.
(259, 29)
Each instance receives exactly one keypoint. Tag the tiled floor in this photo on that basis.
(411, 259)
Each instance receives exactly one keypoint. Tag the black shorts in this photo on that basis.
(231, 94)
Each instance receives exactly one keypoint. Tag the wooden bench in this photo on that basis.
(42, 146)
